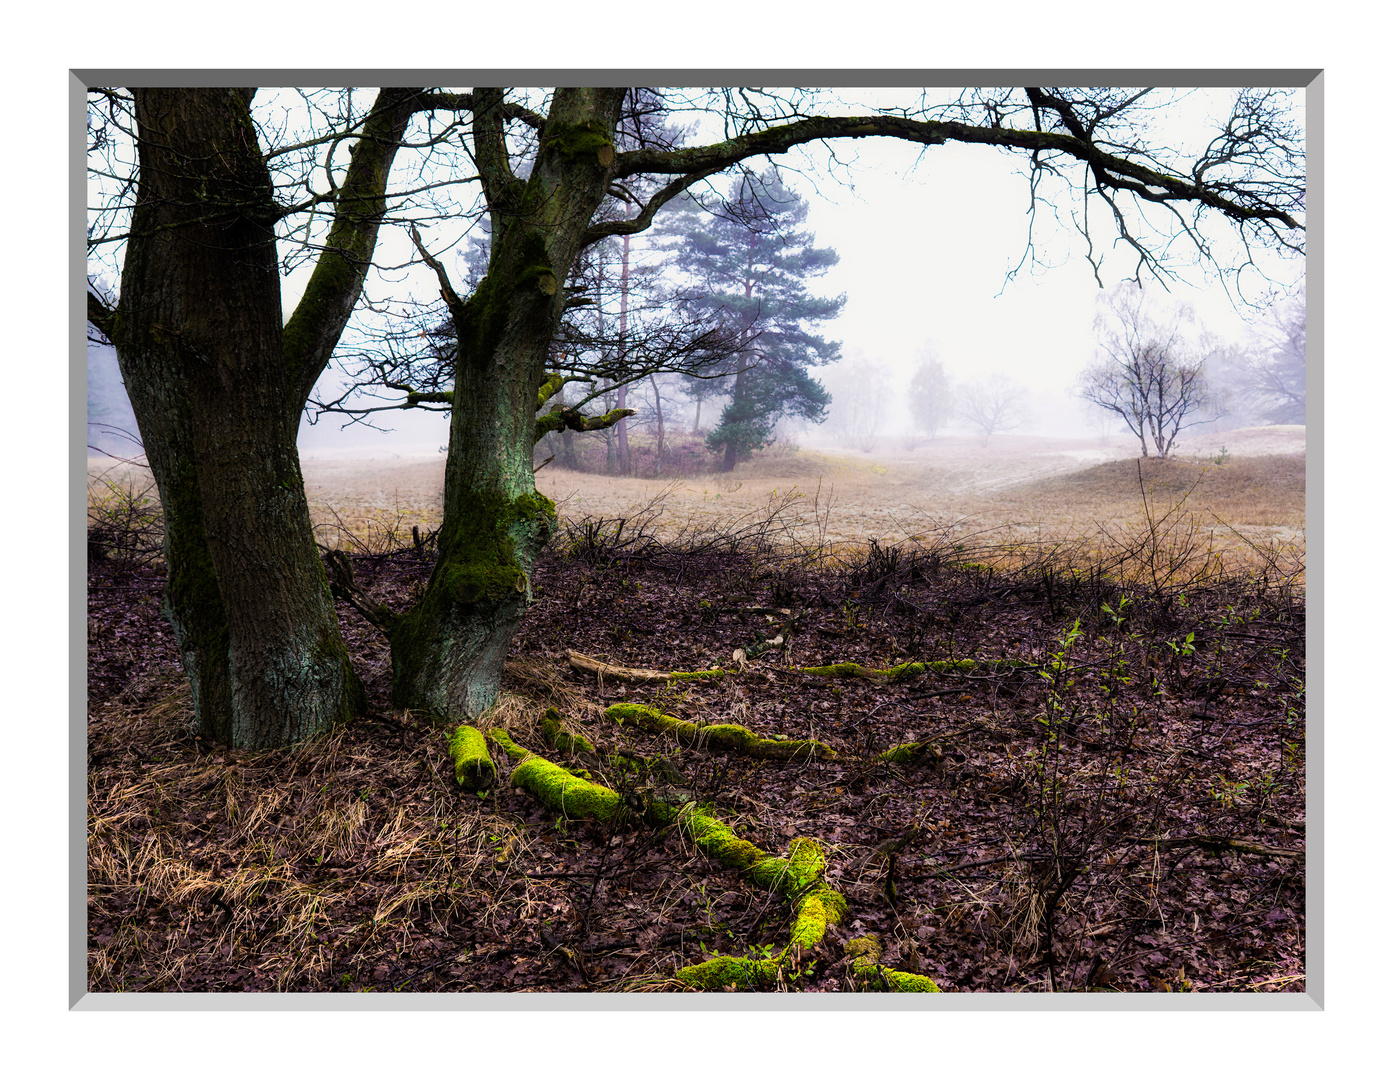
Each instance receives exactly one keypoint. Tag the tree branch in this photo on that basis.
(313, 330)
(560, 419)
(1109, 170)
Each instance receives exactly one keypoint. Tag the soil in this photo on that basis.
(1119, 810)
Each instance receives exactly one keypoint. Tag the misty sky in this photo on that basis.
(926, 238)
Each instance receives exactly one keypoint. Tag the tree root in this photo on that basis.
(796, 876)
(720, 736)
(559, 738)
(559, 789)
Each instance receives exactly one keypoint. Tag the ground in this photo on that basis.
(1109, 798)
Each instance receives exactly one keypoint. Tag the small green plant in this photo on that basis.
(1222, 457)
(1228, 793)
(1185, 647)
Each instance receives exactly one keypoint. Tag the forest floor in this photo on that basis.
(1118, 807)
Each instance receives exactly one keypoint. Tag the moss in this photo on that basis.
(550, 387)
(719, 736)
(474, 769)
(716, 840)
(558, 738)
(722, 972)
(478, 562)
(903, 671)
(864, 954)
(579, 141)
(559, 789)
(820, 908)
(478, 567)
(912, 753)
(512, 749)
(706, 673)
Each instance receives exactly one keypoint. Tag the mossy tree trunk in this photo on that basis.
(448, 651)
(217, 386)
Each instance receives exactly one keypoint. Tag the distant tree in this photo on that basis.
(996, 403)
(1150, 369)
(931, 399)
(1272, 363)
(747, 263)
(861, 394)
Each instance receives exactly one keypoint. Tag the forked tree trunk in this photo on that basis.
(199, 340)
(448, 651)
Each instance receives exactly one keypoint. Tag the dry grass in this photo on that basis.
(1075, 495)
(260, 858)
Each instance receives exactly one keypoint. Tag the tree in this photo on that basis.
(217, 383)
(1150, 371)
(1272, 363)
(996, 403)
(931, 395)
(218, 379)
(861, 394)
(747, 265)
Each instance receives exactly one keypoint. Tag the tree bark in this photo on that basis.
(448, 651)
(198, 337)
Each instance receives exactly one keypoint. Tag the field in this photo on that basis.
(1035, 717)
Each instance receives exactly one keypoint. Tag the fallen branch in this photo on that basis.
(1216, 844)
(344, 588)
(628, 674)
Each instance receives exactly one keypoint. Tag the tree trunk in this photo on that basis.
(448, 651)
(199, 339)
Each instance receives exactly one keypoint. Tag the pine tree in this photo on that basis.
(748, 263)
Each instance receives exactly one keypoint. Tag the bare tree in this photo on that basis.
(1150, 369)
(931, 394)
(861, 395)
(996, 403)
(1272, 364)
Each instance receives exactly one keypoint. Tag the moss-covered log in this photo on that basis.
(864, 954)
(557, 788)
(720, 736)
(559, 737)
(817, 906)
(474, 769)
(902, 671)
(913, 753)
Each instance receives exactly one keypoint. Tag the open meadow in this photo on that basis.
(1022, 717)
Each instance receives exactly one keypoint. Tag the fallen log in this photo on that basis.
(720, 736)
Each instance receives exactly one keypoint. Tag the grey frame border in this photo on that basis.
(1311, 79)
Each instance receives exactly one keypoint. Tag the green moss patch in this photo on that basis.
(731, 972)
(557, 788)
(913, 753)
